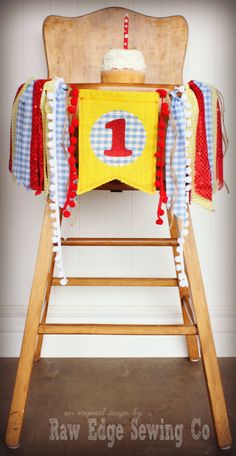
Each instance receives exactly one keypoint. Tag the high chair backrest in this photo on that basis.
(75, 46)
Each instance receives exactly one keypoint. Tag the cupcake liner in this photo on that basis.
(122, 76)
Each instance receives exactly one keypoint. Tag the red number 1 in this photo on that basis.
(118, 148)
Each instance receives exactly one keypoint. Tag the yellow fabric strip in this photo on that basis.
(98, 114)
(48, 87)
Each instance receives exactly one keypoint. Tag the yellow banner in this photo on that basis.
(117, 139)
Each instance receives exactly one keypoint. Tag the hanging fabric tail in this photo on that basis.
(224, 133)
(160, 155)
(219, 150)
(11, 129)
(222, 141)
(36, 146)
(72, 184)
(52, 146)
(203, 185)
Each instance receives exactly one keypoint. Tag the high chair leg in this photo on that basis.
(30, 334)
(208, 352)
(191, 341)
(37, 354)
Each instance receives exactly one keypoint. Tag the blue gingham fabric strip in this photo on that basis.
(21, 164)
(207, 95)
(176, 196)
(62, 142)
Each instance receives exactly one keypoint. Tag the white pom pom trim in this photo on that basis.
(188, 179)
(51, 144)
(50, 96)
(178, 259)
(50, 135)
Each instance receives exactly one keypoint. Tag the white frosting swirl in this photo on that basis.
(121, 59)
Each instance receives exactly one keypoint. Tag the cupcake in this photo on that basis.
(123, 66)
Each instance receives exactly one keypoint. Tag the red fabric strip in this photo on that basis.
(202, 182)
(36, 147)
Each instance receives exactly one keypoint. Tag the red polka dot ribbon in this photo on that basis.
(202, 181)
(36, 146)
(73, 131)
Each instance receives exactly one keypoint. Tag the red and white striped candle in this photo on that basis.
(126, 31)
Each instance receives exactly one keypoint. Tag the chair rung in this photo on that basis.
(168, 330)
(117, 282)
(125, 242)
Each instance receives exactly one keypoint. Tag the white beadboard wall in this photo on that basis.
(210, 58)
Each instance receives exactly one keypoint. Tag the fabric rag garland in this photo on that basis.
(188, 135)
(194, 169)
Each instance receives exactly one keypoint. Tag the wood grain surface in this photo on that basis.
(75, 46)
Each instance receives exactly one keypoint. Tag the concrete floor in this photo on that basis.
(116, 391)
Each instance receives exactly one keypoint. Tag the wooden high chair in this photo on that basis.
(74, 50)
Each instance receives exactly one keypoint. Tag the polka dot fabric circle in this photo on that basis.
(101, 137)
